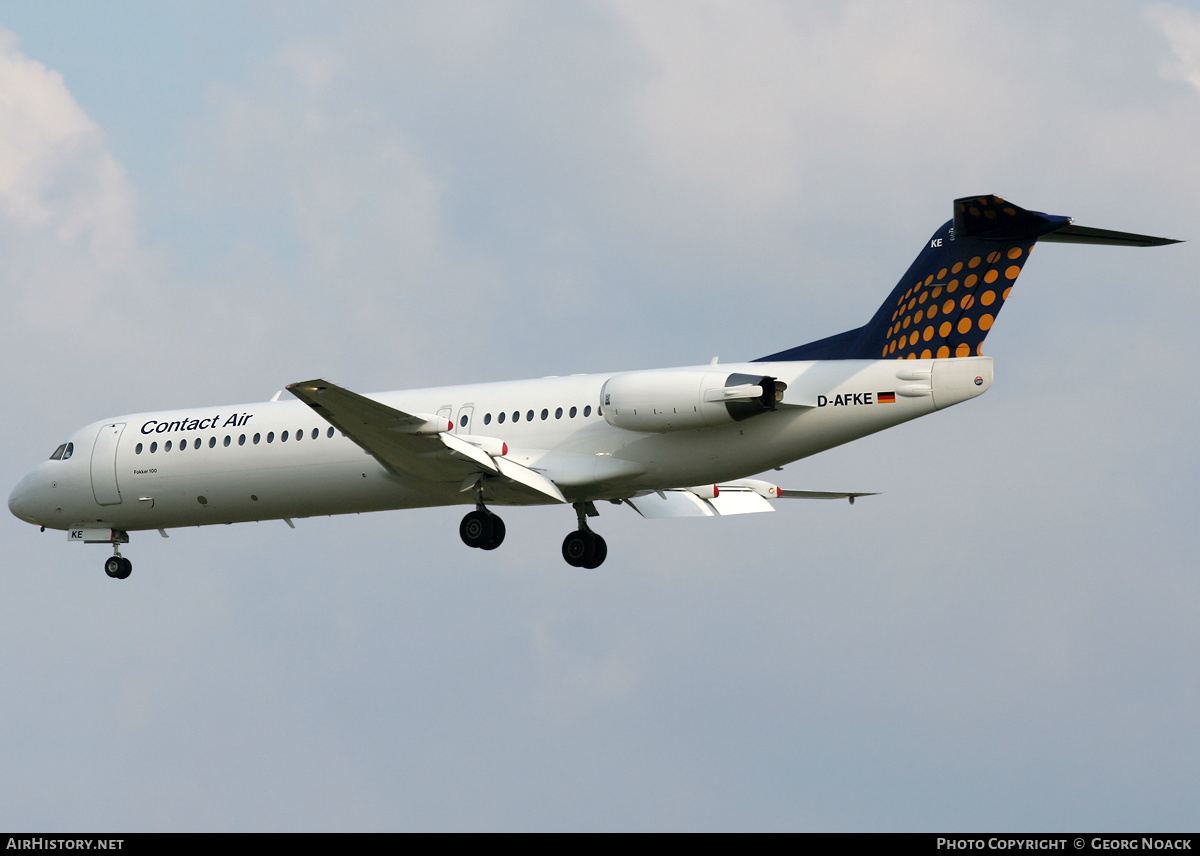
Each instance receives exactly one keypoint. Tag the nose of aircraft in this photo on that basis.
(21, 501)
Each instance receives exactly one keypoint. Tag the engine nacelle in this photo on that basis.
(686, 400)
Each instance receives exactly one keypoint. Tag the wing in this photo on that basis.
(417, 444)
(746, 496)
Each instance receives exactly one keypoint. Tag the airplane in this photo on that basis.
(672, 442)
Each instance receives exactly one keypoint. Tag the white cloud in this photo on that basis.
(68, 233)
(756, 106)
(342, 209)
(1182, 31)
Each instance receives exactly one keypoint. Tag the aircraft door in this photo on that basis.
(462, 425)
(104, 464)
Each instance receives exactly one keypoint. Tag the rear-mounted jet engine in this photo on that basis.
(686, 400)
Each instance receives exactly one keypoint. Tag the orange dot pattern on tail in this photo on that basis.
(947, 301)
(973, 288)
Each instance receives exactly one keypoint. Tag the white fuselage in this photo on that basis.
(280, 459)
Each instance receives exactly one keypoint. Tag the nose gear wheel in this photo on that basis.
(118, 567)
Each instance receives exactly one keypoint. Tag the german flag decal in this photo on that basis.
(885, 397)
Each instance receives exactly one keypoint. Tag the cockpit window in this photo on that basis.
(58, 453)
(70, 451)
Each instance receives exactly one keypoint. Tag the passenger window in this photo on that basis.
(587, 411)
(529, 416)
(462, 423)
(227, 439)
(153, 447)
(196, 445)
(487, 419)
(183, 445)
(329, 433)
(58, 453)
(573, 412)
(500, 418)
(270, 436)
(545, 414)
(283, 437)
(558, 413)
(212, 443)
(316, 433)
(137, 449)
(257, 437)
(167, 446)
(242, 440)
(517, 415)
(300, 434)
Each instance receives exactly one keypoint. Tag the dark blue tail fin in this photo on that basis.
(948, 300)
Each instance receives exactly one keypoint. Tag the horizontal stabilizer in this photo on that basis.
(1072, 234)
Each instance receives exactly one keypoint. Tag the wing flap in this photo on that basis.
(746, 496)
(468, 451)
(734, 501)
(670, 503)
(529, 478)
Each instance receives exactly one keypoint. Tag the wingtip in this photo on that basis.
(315, 386)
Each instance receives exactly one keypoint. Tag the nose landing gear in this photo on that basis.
(583, 548)
(117, 566)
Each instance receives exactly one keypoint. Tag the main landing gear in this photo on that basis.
(481, 528)
(583, 548)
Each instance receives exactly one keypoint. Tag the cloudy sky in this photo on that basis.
(200, 203)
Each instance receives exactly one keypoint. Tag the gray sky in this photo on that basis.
(200, 203)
